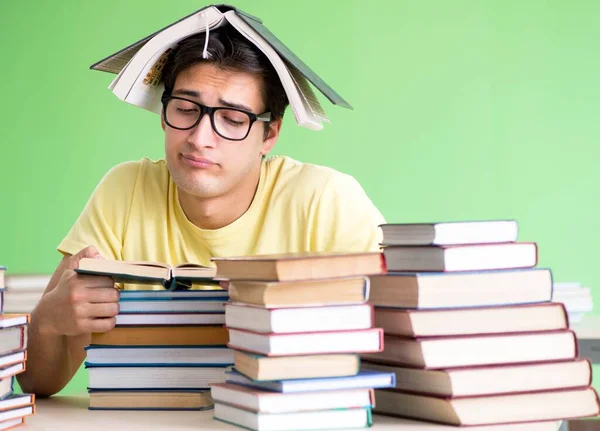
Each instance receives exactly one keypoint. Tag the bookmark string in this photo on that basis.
(205, 53)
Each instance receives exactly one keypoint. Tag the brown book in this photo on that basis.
(154, 400)
(495, 409)
(471, 321)
(474, 350)
(258, 367)
(461, 289)
(490, 380)
(162, 336)
(334, 291)
(299, 266)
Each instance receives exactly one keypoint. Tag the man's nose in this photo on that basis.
(203, 134)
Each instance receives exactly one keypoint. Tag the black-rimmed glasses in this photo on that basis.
(229, 123)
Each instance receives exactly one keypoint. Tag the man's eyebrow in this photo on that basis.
(234, 105)
(186, 92)
(222, 102)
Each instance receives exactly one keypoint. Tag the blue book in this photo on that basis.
(199, 294)
(121, 356)
(364, 379)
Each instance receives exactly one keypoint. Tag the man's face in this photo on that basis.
(202, 163)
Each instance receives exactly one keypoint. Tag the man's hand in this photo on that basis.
(79, 304)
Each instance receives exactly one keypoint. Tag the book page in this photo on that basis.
(303, 113)
(140, 84)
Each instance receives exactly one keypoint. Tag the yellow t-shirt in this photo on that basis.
(134, 214)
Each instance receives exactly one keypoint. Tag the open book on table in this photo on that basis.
(177, 277)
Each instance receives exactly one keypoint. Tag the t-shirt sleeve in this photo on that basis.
(345, 218)
(103, 221)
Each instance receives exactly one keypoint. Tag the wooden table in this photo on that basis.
(72, 414)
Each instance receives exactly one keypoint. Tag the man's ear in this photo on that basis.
(272, 136)
(162, 121)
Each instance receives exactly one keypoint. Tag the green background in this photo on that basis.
(463, 110)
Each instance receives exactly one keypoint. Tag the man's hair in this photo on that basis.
(228, 50)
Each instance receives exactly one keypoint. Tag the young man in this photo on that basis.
(214, 194)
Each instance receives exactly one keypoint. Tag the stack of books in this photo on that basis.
(297, 324)
(577, 299)
(167, 347)
(471, 332)
(13, 360)
(23, 291)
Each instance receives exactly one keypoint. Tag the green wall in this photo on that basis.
(463, 110)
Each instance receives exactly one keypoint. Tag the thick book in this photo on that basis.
(434, 290)
(139, 65)
(202, 335)
(153, 377)
(472, 257)
(494, 409)
(363, 379)
(293, 320)
(156, 399)
(299, 266)
(313, 420)
(171, 277)
(264, 368)
(450, 233)
(489, 380)
(544, 316)
(302, 293)
(257, 400)
(158, 355)
(474, 350)
(310, 343)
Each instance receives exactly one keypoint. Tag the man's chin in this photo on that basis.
(202, 189)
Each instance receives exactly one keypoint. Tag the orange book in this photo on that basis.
(299, 266)
(204, 335)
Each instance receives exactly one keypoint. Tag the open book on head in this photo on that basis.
(178, 277)
(139, 65)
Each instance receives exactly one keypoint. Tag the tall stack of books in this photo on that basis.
(167, 347)
(13, 360)
(297, 324)
(471, 332)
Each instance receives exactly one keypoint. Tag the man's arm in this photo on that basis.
(71, 308)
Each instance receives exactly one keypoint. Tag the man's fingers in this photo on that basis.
(102, 294)
(107, 309)
(103, 324)
(95, 281)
